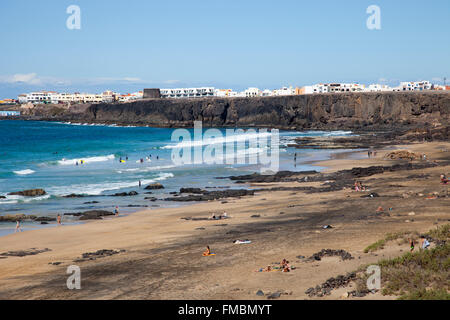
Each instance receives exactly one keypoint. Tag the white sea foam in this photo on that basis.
(146, 169)
(24, 172)
(86, 160)
(13, 199)
(219, 140)
(99, 188)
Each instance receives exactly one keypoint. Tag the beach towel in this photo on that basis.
(210, 254)
(242, 241)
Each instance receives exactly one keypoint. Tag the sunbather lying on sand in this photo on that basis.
(267, 269)
(219, 217)
(208, 252)
(444, 179)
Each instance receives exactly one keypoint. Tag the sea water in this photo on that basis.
(43, 155)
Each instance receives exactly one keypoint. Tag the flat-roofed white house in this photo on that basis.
(187, 92)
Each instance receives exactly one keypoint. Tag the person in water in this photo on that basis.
(140, 184)
(18, 228)
(58, 219)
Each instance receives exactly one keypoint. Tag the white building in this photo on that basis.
(224, 93)
(67, 98)
(376, 87)
(415, 86)
(345, 87)
(38, 97)
(130, 96)
(187, 92)
(252, 92)
(267, 93)
(316, 88)
(285, 91)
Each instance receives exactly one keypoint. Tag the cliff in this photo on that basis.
(319, 111)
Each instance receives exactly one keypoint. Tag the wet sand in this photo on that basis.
(163, 252)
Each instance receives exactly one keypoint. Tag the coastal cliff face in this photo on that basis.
(318, 111)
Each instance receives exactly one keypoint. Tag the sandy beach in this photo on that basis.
(159, 254)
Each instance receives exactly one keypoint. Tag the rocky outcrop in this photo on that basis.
(125, 194)
(154, 186)
(203, 195)
(318, 111)
(29, 193)
(91, 215)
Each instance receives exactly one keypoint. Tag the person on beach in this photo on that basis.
(208, 252)
(116, 211)
(444, 179)
(267, 269)
(411, 245)
(58, 219)
(380, 209)
(424, 243)
(18, 228)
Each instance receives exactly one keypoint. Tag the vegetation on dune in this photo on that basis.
(420, 275)
(403, 236)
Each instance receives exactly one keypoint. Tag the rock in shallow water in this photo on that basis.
(29, 193)
(154, 186)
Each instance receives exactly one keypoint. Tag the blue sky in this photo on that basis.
(129, 45)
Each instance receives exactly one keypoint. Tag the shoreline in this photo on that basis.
(151, 237)
(36, 225)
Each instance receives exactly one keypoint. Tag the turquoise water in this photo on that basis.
(44, 155)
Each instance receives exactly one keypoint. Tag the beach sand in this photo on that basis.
(163, 252)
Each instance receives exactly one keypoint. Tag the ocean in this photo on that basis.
(35, 154)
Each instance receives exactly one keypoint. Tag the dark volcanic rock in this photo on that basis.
(213, 195)
(74, 195)
(98, 254)
(91, 215)
(191, 190)
(29, 193)
(23, 253)
(44, 219)
(154, 186)
(332, 283)
(125, 194)
(330, 253)
(331, 111)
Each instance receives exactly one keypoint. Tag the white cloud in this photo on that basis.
(27, 78)
(171, 81)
